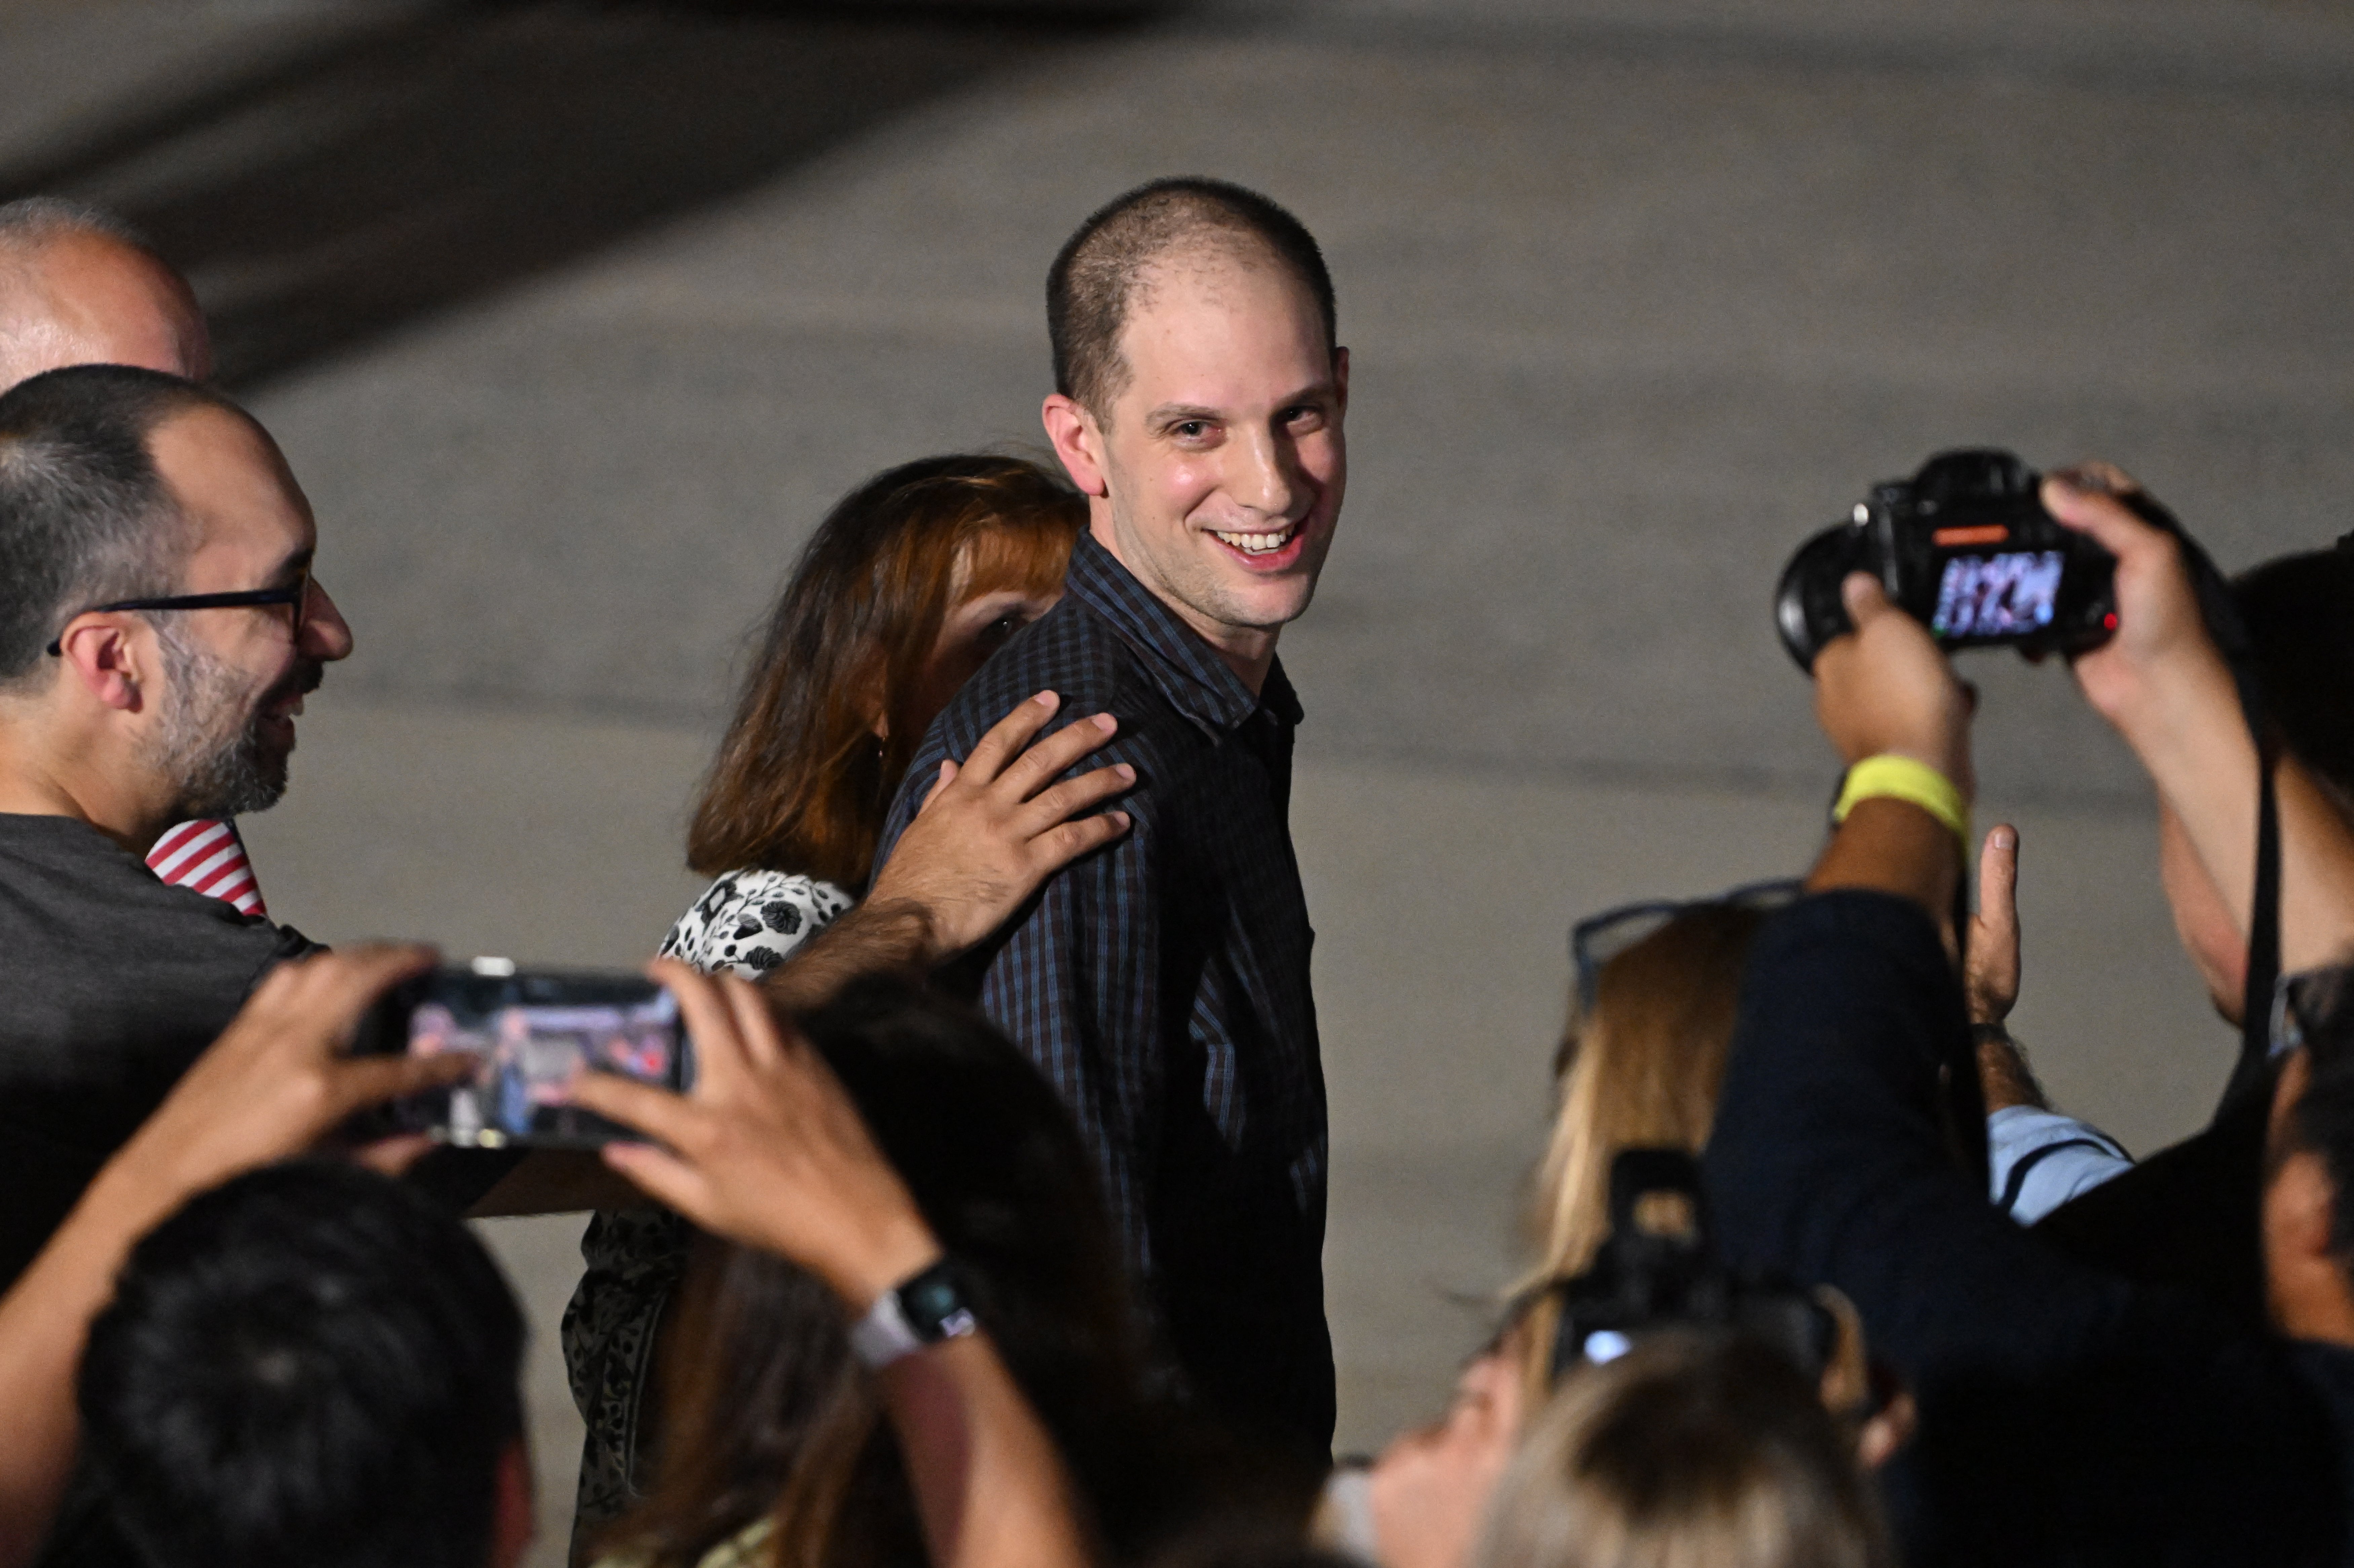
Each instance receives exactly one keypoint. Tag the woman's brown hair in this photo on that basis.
(800, 783)
(765, 1415)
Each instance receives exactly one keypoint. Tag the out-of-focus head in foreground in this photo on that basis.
(311, 1365)
(1692, 1448)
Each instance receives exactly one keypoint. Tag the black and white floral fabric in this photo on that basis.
(748, 921)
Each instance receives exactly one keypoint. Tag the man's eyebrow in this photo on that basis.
(296, 562)
(1177, 413)
(1169, 413)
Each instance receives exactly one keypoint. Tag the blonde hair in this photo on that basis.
(1641, 1070)
(1692, 1450)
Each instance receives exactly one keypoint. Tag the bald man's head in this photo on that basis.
(77, 288)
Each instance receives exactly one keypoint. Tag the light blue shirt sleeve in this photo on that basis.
(2038, 1160)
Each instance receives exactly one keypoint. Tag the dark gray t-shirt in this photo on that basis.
(111, 984)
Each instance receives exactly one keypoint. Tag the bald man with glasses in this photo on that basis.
(78, 286)
(159, 631)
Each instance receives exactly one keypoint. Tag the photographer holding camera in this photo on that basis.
(2066, 1414)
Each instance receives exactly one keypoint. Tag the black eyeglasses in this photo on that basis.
(1598, 938)
(297, 594)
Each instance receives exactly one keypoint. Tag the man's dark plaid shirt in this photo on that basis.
(1161, 985)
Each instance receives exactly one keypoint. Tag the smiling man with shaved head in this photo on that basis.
(1161, 984)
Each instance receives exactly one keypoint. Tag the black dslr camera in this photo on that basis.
(1963, 548)
(1651, 1275)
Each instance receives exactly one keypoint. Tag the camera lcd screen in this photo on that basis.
(533, 1051)
(2009, 594)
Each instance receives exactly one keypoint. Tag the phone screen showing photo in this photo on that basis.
(536, 1035)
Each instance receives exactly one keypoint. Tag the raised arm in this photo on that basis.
(1885, 690)
(272, 1087)
(769, 1152)
(1828, 1162)
(2161, 682)
(988, 835)
(1828, 1158)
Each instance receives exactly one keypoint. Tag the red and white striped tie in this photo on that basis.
(210, 858)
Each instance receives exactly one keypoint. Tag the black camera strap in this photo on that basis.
(2187, 1216)
(2251, 1073)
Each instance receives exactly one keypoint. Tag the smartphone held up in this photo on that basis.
(535, 1033)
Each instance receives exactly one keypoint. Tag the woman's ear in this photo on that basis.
(874, 688)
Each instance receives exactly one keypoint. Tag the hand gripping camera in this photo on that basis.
(1965, 548)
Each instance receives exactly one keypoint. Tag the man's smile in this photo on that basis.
(1265, 551)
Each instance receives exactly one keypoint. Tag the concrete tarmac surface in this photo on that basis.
(574, 319)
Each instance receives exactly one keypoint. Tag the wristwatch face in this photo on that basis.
(934, 1307)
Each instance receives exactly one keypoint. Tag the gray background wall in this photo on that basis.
(573, 320)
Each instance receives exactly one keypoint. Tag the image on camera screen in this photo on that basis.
(532, 1055)
(2009, 595)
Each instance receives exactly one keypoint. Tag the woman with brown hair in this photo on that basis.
(907, 587)
(905, 590)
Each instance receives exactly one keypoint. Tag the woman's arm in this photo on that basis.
(988, 835)
(769, 1152)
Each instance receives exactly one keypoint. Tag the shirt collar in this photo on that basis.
(1185, 669)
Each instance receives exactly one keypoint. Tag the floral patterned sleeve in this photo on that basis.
(747, 922)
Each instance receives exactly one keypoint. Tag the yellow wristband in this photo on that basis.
(1904, 779)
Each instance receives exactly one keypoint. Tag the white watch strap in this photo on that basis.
(883, 1336)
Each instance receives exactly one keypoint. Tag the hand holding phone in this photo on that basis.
(769, 1149)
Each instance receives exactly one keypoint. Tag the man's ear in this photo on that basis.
(2298, 1207)
(99, 651)
(2295, 1073)
(1341, 376)
(1079, 441)
(512, 1523)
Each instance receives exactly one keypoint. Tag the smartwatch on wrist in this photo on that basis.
(925, 1308)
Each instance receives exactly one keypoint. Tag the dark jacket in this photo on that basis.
(2067, 1415)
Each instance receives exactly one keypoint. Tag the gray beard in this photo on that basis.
(210, 747)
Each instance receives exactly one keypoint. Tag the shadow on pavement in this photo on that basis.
(341, 191)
